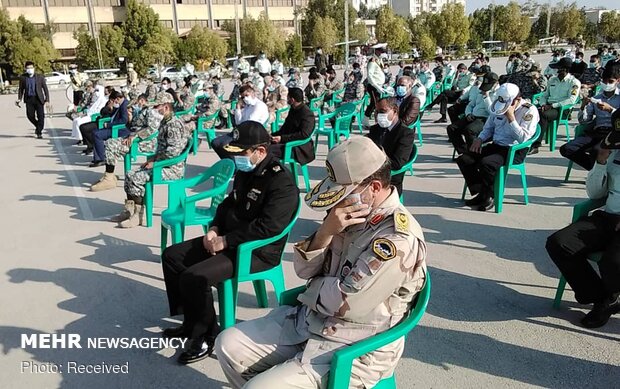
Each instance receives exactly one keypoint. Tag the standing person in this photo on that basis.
(34, 93)
(320, 60)
(374, 87)
(263, 66)
(77, 83)
(364, 265)
(570, 247)
(262, 203)
(242, 67)
(132, 77)
(562, 89)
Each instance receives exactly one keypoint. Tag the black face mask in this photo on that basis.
(562, 73)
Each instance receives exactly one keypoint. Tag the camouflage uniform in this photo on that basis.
(275, 100)
(171, 142)
(188, 99)
(151, 91)
(208, 107)
(142, 126)
(316, 90)
(529, 83)
(360, 285)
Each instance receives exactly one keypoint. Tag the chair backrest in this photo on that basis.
(406, 166)
(344, 117)
(222, 173)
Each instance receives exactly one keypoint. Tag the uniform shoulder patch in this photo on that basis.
(276, 168)
(401, 222)
(384, 249)
(528, 117)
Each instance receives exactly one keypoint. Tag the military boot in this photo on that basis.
(108, 181)
(126, 212)
(138, 218)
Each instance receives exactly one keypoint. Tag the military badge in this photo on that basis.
(330, 171)
(384, 249)
(401, 222)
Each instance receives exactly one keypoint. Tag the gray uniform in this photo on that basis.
(360, 285)
(143, 126)
(171, 141)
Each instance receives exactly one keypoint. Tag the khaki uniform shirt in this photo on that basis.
(561, 92)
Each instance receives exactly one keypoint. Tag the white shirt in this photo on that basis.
(263, 65)
(257, 113)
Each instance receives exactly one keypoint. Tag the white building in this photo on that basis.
(370, 4)
(413, 8)
(594, 15)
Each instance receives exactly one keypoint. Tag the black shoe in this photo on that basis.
(198, 350)
(441, 120)
(533, 150)
(486, 204)
(39, 136)
(96, 164)
(601, 312)
(174, 332)
(79, 143)
(87, 152)
(475, 201)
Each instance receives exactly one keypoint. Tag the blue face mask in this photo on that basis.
(136, 109)
(401, 90)
(244, 163)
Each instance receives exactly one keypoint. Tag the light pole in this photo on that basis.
(346, 35)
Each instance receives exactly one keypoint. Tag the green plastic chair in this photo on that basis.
(418, 127)
(134, 151)
(342, 361)
(182, 210)
(562, 119)
(157, 179)
(343, 117)
(233, 106)
(502, 173)
(447, 83)
(278, 121)
(407, 167)
(316, 104)
(185, 112)
(536, 99)
(336, 97)
(432, 93)
(108, 119)
(200, 129)
(228, 289)
(579, 130)
(291, 162)
(579, 210)
(360, 107)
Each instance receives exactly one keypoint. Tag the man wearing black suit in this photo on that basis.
(298, 125)
(120, 116)
(33, 91)
(394, 137)
(408, 103)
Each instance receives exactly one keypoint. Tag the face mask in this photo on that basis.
(554, 58)
(193, 82)
(116, 105)
(136, 109)
(356, 70)
(357, 197)
(562, 73)
(383, 121)
(609, 87)
(593, 65)
(244, 163)
(164, 87)
(156, 114)
(30, 72)
(401, 90)
(577, 60)
(271, 88)
(249, 100)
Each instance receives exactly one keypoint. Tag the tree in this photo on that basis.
(609, 26)
(567, 22)
(201, 45)
(141, 24)
(38, 50)
(450, 27)
(111, 40)
(392, 30)
(426, 46)
(367, 13)
(294, 52)
(359, 32)
(325, 34)
(324, 8)
(86, 50)
(257, 35)
(479, 27)
(511, 26)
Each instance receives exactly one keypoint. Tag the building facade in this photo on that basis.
(413, 8)
(179, 15)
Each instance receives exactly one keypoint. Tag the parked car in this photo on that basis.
(57, 78)
(173, 73)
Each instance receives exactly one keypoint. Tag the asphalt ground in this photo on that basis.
(66, 269)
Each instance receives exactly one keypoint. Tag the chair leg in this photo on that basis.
(195, 140)
(420, 140)
(500, 182)
(568, 170)
(316, 142)
(464, 191)
(294, 173)
(176, 233)
(553, 136)
(524, 184)
(559, 292)
(127, 163)
(226, 302)
(278, 284)
(261, 293)
(567, 131)
(148, 203)
(304, 172)
(164, 238)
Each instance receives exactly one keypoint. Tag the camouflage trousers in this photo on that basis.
(137, 179)
(115, 150)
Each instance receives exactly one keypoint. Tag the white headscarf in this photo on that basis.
(99, 101)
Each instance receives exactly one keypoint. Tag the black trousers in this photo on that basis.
(456, 110)
(35, 111)
(569, 249)
(88, 134)
(583, 149)
(374, 97)
(445, 97)
(189, 274)
(479, 170)
(546, 117)
(462, 133)
(77, 97)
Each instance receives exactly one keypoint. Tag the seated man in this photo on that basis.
(209, 105)
(97, 102)
(458, 108)
(275, 97)
(262, 203)
(464, 81)
(172, 140)
(530, 81)
(562, 89)
(439, 70)
(298, 125)
(354, 88)
(570, 247)
(315, 87)
(408, 104)
(426, 75)
(365, 264)
(99, 136)
(591, 77)
(145, 122)
(596, 114)
(579, 66)
(332, 84)
(463, 132)
(249, 108)
(512, 121)
(186, 97)
(394, 137)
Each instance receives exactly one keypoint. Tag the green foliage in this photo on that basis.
(111, 39)
(426, 46)
(567, 22)
(201, 45)
(367, 13)
(479, 27)
(609, 26)
(256, 35)
(294, 52)
(450, 27)
(326, 8)
(141, 24)
(86, 50)
(393, 30)
(325, 34)
(511, 26)
(359, 32)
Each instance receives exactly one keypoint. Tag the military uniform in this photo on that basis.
(208, 107)
(314, 91)
(276, 99)
(145, 124)
(361, 284)
(132, 78)
(427, 77)
(558, 93)
(151, 91)
(187, 99)
(171, 142)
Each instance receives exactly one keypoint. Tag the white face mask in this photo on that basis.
(30, 72)
(249, 100)
(383, 121)
(609, 87)
(116, 105)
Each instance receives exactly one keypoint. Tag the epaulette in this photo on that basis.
(401, 223)
(527, 105)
